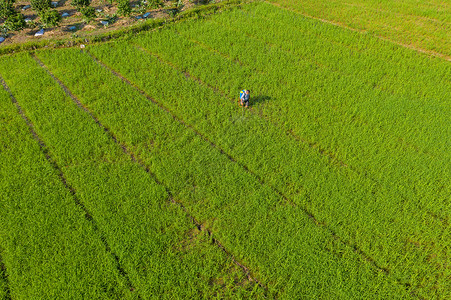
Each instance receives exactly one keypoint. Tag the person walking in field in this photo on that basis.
(244, 97)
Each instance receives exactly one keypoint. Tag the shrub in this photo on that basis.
(50, 18)
(13, 19)
(40, 5)
(6, 8)
(156, 3)
(123, 7)
(88, 12)
(15, 22)
(81, 3)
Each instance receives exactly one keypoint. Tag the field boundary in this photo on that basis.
(338, 24)
(335, 236)
(137, 160)
(45, 150)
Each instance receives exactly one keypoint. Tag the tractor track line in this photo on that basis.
(333, 234)
(319, 65)
(137, 160)
(333, 159)
(4, 276)
(58, 170)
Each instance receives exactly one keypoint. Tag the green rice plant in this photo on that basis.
(329, 47)
(299, 178)
(150, 237)
(375, 142)
(3, 284)
(250, 219)
(416, 25)
(47, 244)
(334, 184)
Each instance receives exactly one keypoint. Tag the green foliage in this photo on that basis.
(217, 191)
(280, 74)
(40, 6)
(7, 8)
(15, 21)
(4, 294)
(423, 26)
(80, 3)
(154, 3)
(157, 245)
(123, 7)
(88, 12)
(50, 18)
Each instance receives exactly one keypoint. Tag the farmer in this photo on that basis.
(244, 97)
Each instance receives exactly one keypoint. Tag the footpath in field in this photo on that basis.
(380, 189)
(158, 249)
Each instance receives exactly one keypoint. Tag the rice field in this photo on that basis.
(129, 169)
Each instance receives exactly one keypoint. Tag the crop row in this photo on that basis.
(158, 248)
(46, 240)
(289, 253)
(363, 208)
(322, 122)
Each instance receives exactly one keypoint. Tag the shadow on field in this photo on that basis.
(259, 99)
